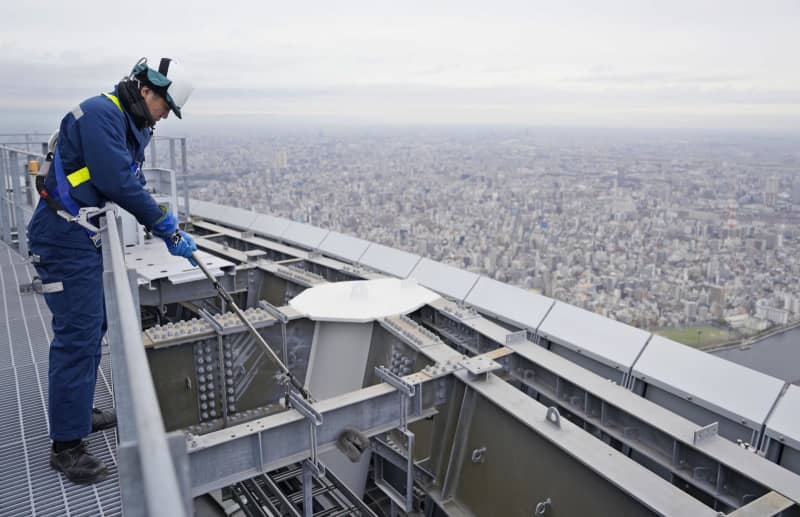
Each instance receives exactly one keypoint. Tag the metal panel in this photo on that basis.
(448, 280)
(572, 449)
(731, 429)
(618, 375)
(234, 217)
(344, 246)
(509, 303)
(605, 340)
(269, 225)
(152, 261)
(304, 235)
(784, 423)
(338, 358)
(736, 392)
(389, 260)
(663, 437)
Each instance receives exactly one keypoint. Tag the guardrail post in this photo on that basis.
(172, 157)
(16, 184)
(185, 177)
(153, 157)
(5, 209)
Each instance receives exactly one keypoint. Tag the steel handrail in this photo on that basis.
(159, 476)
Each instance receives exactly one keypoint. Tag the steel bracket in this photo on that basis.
(283, 319)
(705, 433)
(314, 418)
(515, 338)
(405, 389)
(404, 501)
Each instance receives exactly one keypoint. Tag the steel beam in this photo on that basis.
(458, 449)
(767, 505)
(231, 455)
(655, 433)
(618, 471)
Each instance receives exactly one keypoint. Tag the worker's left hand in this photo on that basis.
(181, 244)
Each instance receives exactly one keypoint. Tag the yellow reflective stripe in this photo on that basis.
(78, 177)
(114, 99)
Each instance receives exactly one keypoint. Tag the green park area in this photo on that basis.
(699, 336)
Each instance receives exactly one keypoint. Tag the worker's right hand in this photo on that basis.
(166, 225)
(181, 244)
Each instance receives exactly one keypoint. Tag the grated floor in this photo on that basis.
(28, 486)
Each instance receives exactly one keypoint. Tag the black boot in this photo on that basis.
(77, 464)
(103, 419)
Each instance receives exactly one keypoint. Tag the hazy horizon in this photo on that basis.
(620, 64)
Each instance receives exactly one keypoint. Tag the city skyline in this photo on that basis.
(658, 232)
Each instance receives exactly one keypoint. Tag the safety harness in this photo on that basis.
(61, 202)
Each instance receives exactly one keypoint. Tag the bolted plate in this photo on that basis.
(480, 365)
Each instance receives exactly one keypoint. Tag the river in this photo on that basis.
(777, 355)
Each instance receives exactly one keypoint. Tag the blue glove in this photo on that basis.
(181, 244)
(166, 225)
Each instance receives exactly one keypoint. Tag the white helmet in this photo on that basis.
(170, 81)
(51, 143)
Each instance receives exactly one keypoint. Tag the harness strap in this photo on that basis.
(114, 99)
(62, 187)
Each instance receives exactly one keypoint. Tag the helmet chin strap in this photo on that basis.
(131, 97)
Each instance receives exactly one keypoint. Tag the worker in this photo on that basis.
(97, 158)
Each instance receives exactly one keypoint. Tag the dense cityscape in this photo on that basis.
(662, 230)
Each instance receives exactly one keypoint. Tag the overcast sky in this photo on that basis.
(590, 63)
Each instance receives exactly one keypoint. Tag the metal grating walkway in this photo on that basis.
(27, 484)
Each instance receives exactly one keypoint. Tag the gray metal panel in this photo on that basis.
(603, 370)
(603, 339)
(233, 217)
(784, 424)
(344, 246)
(269, 225)
(389, 260)
(734, 391)
(304, 235)
(728, 428)
(443, 278)
(509, 303)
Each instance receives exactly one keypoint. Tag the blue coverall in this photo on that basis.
(100, 136)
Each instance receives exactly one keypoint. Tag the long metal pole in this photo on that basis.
(249, 326)
(158, 471)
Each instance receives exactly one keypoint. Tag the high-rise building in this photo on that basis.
(771, 191)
